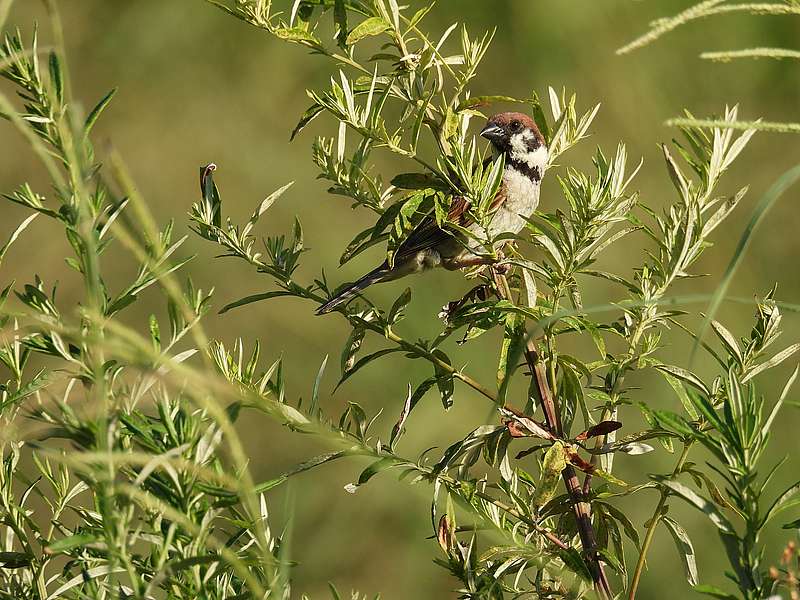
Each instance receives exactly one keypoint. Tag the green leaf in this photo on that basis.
(15, 560)
(788, 499)
(351, 348)
(768, 200)
(685, 375)
(673, 422)
(340, 18)
(574, 561)
(312, 112)
(22, 227)
(254, 298)
(685, 549)
(715, 592)
(396, 312)
(363, 362)
(211, 193)
(187, 563)
(680, 391)
(374, 469)
(793, 525)
(40, 381)
(312, 410)
(554, 461)
(56, 77)
(269, 201)
(398, 428)
(540, 118)
(71, 542)
(301, 468)
(97, 111)
(530, 290)
(363, 241)
(408, 216)
(609, 477)
(765, 428)
(772, 362)
(444, 381)
(623, 520)
(298, 36)
(419, 181)
(696, 500)
(728, 340)
(510, 352)
(368, 27)
(479, 101)
(155, 333)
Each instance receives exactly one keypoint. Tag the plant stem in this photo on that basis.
(390, 335)
(582, 509)
(549, 535)
(528, 521)
(406, 345)
(651, 528)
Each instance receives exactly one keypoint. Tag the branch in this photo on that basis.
(581, 508)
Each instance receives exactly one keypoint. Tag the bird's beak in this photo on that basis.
(493, 133)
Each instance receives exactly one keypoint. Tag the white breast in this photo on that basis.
(522, 198)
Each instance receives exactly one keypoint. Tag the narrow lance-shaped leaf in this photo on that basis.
(309, 115)
(313, 408)
(444, 381)
(772, 362)
(510, 352)
(364, 362)
(351, 348)
(685, 549)
(22, 227)
(396, 312)
(340, 18)
(211, 193)
(682, 394)
(97, 111)
(368, 27)
(480, 101)
(779, 404)
(698, 502)
(269, 201)
(714, 592)
(398, 430)
(369, 473)
(254, 298)
(729, 341)
(70, 543)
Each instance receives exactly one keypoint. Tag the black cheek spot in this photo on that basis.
(532, 144)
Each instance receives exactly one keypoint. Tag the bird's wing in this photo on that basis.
(428, 234)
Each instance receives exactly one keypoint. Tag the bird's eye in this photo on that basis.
(516, 126)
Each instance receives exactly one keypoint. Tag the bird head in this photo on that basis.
(517, 136)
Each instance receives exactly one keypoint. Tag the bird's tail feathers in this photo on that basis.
(354, 289)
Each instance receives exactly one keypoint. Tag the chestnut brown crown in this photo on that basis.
(501, 127)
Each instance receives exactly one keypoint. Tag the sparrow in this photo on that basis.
(514, 135)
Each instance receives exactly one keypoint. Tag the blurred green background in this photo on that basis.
(197, 86)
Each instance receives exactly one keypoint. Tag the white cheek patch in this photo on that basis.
(533, 158)
(519, 144)
(538, 158)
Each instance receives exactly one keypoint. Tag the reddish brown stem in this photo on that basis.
(582, 509)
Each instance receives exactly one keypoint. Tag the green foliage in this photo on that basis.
(155, 498)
